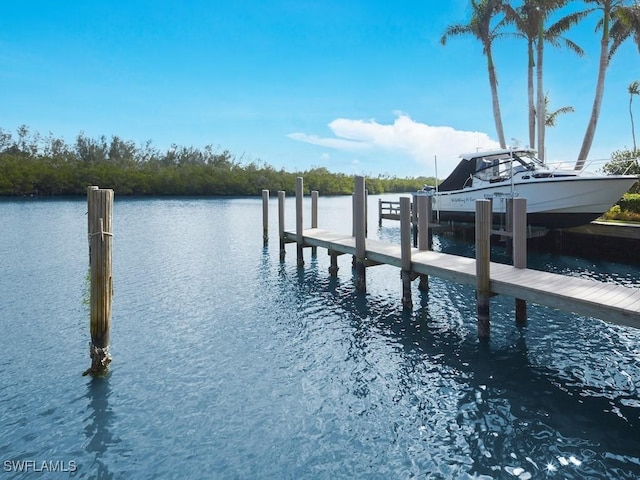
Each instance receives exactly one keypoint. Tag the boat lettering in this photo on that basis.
(468, 199)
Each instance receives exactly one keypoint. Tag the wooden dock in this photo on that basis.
(613, 303)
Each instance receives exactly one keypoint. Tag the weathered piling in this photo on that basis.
(314, 216)
(359, 227)
(414, 222)
(281, 198)
(100, 224)
(519, 224)
(333, 266)
(508, 226)
(405, 251)
(483, 251)
(299, 229)
(424, 217)
(265, 217)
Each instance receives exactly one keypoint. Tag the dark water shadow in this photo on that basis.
(99, 426)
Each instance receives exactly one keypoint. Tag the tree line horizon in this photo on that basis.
(618, 21)
(36, 165)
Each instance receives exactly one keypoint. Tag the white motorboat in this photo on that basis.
(556, 197)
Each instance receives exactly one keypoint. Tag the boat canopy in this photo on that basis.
(489, 166)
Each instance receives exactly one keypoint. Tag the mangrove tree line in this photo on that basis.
(36, 165)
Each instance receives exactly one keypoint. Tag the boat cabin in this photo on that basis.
(490, 167)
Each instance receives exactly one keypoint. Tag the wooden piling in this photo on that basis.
(265, 217)
(405, 251)
(366, 212)
(414, 221)
(314, 216)
(483, 254)
(299, 229)
(100, 224)
(353, 225)
(281, 198)
(423, 233)
(359, 227)
(333, 266)
(508, 226)
(519, 223)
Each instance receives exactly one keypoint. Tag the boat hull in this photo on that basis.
(561, 202)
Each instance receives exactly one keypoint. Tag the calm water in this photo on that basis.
(229, 364)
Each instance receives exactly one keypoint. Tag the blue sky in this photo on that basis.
(357, 87)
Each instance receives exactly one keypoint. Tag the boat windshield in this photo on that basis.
(502, 166)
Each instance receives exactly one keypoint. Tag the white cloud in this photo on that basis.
(336, 143)
(418, 141)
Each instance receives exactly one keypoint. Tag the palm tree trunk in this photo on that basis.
(494, 95)
(532, 110)
(541, 111)
(597, 101)
(633, 130)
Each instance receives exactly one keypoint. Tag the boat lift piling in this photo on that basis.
(360, 232)
(405, 251)
(519, 248)
(300, 242)
(424, 234)
(483, 263)
(281, 199)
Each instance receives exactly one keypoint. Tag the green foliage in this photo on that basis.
(626, 210)
(34, 165)
(624, 162)
(630, 202)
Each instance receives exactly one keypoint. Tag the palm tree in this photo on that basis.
(618, 23)
(483, 27)
(529, 20)
(634, 89)
(526, 21)
(550, 117)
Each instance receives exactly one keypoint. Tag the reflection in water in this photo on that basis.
(513, 415)
(98, 428)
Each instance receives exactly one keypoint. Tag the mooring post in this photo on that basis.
(265, 217)
(483, 259)
(353, 225)
(379, 212)
(508, 226)
(333, 266)
(366, 212)
(429, 218)
(100, 213)
(405, 251)
(300, 242)
(423, 234)
(314, 216)
(519, 224)
(281, 197)
(414, 221)
(360, 234)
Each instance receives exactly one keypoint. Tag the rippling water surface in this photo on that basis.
(230, 364)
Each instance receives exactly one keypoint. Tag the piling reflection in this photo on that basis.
(516, 413)
(99, 425)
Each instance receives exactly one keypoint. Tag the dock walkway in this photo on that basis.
(609, 302)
